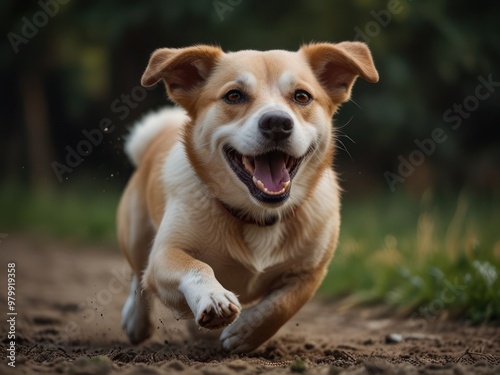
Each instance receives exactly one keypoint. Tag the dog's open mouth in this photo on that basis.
(268, 176)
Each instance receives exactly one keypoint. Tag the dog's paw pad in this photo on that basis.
(219, 311)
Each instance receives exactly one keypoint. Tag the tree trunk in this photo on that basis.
(37, 131)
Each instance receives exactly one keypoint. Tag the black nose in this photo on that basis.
(276, 125)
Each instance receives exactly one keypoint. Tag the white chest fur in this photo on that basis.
(264, 243)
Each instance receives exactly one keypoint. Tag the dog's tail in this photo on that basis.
(146, 130)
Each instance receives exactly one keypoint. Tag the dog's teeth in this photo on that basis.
(247, 164)
(261, 186)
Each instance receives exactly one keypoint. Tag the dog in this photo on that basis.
(232, 214)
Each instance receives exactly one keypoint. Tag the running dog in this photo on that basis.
(232, 215)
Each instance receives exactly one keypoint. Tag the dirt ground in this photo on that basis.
(69, 297)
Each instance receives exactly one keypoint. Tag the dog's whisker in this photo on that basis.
(337, 128)
(357, 105)
(342, 134)
(344, 148)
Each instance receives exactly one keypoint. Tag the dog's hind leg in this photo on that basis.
(135, 313)
(135, 234)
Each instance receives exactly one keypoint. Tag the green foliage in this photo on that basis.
(430, 257)
(298, 365)
(75, 215)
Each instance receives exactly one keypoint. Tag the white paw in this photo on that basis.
(217, 309)
(135, 315)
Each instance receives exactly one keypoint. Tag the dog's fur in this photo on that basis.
(196, 235)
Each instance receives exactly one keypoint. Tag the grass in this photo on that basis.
(434, 254)
(429, 257)
(82, 216)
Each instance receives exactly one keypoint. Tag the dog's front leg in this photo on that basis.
(189, 287)
(261, 321)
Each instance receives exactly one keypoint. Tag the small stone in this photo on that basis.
(394, 338)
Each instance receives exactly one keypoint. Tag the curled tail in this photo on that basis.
(146, 130)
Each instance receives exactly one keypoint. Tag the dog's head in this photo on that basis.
(261, 129)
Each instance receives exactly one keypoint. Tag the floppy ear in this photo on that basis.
(182, 70)
(337, 66)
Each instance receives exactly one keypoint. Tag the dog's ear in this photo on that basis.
(182, 70)
(337, 66)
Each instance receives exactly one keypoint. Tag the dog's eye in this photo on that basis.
(234, 97)
(302, 97)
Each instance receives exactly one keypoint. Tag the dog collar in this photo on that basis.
(240, 214)
(247, 218)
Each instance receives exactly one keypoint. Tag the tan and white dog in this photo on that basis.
(234, 202)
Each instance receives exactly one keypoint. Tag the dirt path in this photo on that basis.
(69, 300)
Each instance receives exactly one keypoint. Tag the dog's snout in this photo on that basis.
(276, 125)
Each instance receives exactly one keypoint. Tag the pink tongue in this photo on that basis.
(271, 170)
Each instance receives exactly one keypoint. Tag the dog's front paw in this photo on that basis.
(237, 338)
(250, 330)
(234, 339)
(217, 310)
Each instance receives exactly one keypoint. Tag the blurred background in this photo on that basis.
(418, 152)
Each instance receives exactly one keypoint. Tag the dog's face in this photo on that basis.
(261, 132)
